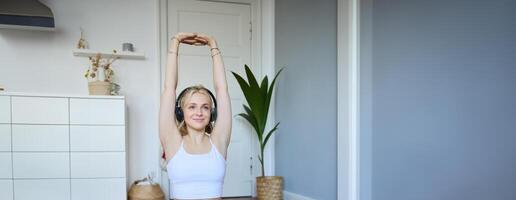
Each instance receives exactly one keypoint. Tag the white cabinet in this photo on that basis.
(98, 189)
(5, 137)
(5, 165)
(40, 137)
(97, 111)
(55, 189)
(98, 164)
(6, 189)
(97, 138)
(41, 165)
(62, 147)
(39, 110)
(5, 109)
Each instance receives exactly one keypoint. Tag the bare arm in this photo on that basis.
(169, 135)
(222, 130)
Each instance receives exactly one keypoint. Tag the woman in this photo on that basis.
(195, 152)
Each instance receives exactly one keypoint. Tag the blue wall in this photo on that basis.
(443, 81)
(306, 98)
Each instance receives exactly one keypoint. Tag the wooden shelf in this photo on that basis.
(121, 54)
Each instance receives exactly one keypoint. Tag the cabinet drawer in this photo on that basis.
(97, 111)
(39, 110)
(6, 189)
(5, 137)
(98, 165)
(97, 138)
(6, 165)
(40, 138)
(41, 165)
(55, 189)
(99, 189)
(5, 109)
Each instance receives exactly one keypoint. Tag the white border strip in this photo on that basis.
(269, 69)
(348, 99)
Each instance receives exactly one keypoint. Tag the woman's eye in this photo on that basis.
(206, 108)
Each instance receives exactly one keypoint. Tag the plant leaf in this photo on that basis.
(255, 99)
(264, 86)
(242, 83)
(249, 119)
(269, 134)
(250, 77)
(256, 126)
(270, 92)
(260, 159)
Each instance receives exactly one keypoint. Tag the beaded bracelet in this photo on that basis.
(215, 54)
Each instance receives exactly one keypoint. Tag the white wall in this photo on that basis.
(42, 62)
(310, 73)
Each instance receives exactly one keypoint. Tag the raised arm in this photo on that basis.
(169, 135)
(222, 129)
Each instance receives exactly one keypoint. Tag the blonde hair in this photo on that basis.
(188, 93)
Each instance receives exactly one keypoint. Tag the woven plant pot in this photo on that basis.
(145, 192)
(269, 187)
(99, 88)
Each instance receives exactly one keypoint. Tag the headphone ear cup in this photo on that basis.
(179, 114)
(213, 116)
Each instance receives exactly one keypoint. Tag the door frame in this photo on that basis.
(348, 99)
(262, 14)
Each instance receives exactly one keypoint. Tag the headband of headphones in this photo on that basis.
(179, 111)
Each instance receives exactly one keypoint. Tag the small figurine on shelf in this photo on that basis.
(100, 75)
(82, 44)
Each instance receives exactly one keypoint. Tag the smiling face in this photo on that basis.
(197, 110)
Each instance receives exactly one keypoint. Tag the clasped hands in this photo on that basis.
(196, 39)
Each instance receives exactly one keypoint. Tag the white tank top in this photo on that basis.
(196, 176)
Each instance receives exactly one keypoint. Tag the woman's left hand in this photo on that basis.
(206, 39)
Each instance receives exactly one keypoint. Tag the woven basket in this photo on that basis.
(269, 187)
(99, 88)
(145, 192)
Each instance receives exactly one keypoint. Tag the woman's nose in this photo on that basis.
(198, 112)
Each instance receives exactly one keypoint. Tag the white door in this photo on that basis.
(230, 25)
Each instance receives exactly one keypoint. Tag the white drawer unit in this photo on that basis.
(98, 164)
(97, 138)
(39, 110)
(98, 189)
(55, 189)
(97, 111)
(40, 137)
(41, 165)
(6, 189)
(5, 137)
(5, 109)
(6, 165)
(62, 147)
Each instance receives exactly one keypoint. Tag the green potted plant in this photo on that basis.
(258, 98)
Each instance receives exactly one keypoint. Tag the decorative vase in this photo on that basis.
(101, 74)
(99, 88)
(269, 187)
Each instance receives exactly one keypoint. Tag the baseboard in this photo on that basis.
(293, 196)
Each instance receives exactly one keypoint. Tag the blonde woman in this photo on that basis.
(195, 131)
